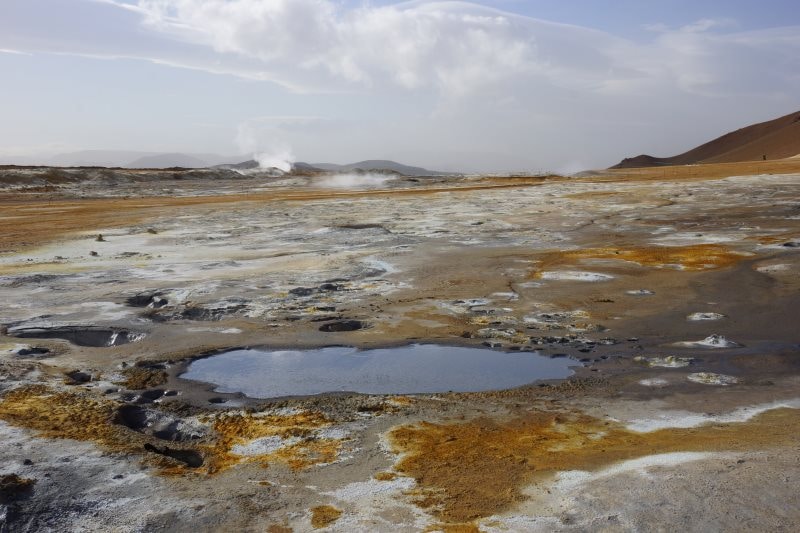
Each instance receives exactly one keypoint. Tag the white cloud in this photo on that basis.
(446, 77)
(455, 47)
(451, 48)
(14, 52)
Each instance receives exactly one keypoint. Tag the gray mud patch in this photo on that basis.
(81, 335)
(342, 325)
(190, 458)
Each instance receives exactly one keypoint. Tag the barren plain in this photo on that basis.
(673, 292)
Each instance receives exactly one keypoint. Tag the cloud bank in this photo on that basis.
(455, 47)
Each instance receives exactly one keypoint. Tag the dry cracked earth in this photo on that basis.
(672, 294)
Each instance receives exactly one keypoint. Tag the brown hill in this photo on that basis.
(774, 139)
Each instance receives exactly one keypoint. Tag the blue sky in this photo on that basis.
(495, 85)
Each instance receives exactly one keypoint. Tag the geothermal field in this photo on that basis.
(223, 350)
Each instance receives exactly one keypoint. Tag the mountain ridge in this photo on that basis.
(778, 138)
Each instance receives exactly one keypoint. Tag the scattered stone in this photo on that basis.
(77, 377)
(710, 378)
(712, 341)
(301, 291)
(654, 382)
(150, 396)
(25, 352)
(695, 317)
(492, 333)
(670, 361)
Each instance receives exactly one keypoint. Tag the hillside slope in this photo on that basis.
(774, 139)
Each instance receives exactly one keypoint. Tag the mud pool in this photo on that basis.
(417, 368)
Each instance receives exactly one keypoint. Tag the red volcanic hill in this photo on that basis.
(775, 139)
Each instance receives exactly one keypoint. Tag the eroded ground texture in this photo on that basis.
(674, 292)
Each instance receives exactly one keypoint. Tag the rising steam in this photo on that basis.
(268, 151)
(354, 181)
(280, 157)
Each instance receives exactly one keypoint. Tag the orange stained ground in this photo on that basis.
(692, 258)
(28, 220)
(324, 515)
(77, 415)
(467, 471)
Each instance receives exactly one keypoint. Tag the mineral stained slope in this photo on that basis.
(774, 139)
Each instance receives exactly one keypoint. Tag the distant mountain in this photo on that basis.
(96, 158)
(167, 161)
(244, 165)
(379, 165)
(136, 159)
(374, 165)
(774, 139)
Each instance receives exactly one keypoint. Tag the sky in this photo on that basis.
(485, 86)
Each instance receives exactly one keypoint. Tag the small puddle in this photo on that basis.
(417, 368)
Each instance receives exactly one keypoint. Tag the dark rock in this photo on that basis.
(14, 487)
(81, 335)
(78, 377)
(301, 291)
(33, 351)
(342, 325)
(131, 416)
(152, 395)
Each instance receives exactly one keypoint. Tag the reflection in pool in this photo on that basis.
(416, 368)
